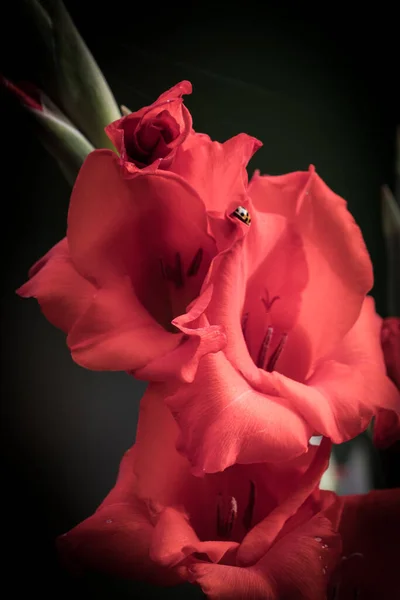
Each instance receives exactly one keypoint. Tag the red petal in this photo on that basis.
(260, 538)
(115, 540)
(217, 171)
(162, 474)
(223, 582)
(118, 230)
(62, 293)
(224, 421)
(269, 259)
(347, 388)
(174, 539)
(296, 566)
(340, 270)
(203, 339)
(117, 334)
(117, 225)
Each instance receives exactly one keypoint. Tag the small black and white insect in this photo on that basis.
(242, 214)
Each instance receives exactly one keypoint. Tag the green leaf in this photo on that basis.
(64, 142)
(61, 139)
(81, 89)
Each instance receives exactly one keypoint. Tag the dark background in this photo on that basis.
(316, 87)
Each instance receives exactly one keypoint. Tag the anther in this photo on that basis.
(276, 354)
(226, 516)
(262, 355)
(174, 274)
(195, 264)
(248, 513)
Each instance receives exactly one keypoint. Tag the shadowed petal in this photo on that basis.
(340, 270)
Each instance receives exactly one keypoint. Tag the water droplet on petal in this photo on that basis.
(318, 539)
(325, 545)
(324, 570)
(109, 521)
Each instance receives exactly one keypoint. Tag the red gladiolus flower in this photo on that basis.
(252, 295)
(148, 139)
(290, 294)
(136, 254)
(387, 423)
(255, 531)
(370, 530)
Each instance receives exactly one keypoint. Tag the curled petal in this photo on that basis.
(199, 338)
(137, 136)
(63, 294)
(174, 539)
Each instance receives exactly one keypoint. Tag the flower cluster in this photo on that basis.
(244, 305)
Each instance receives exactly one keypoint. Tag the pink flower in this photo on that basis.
(137, 250)
(249, 300)
(255, 531)
(289, 291)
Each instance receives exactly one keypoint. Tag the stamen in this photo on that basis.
(268, 303)
(262, 355)
(232, 516)
(195, 264)
(173, 274)
(248, 513)
(226, 516)
(178, 270)
(276, 354)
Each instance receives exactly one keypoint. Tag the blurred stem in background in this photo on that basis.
(74, 80)
(75, 103)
